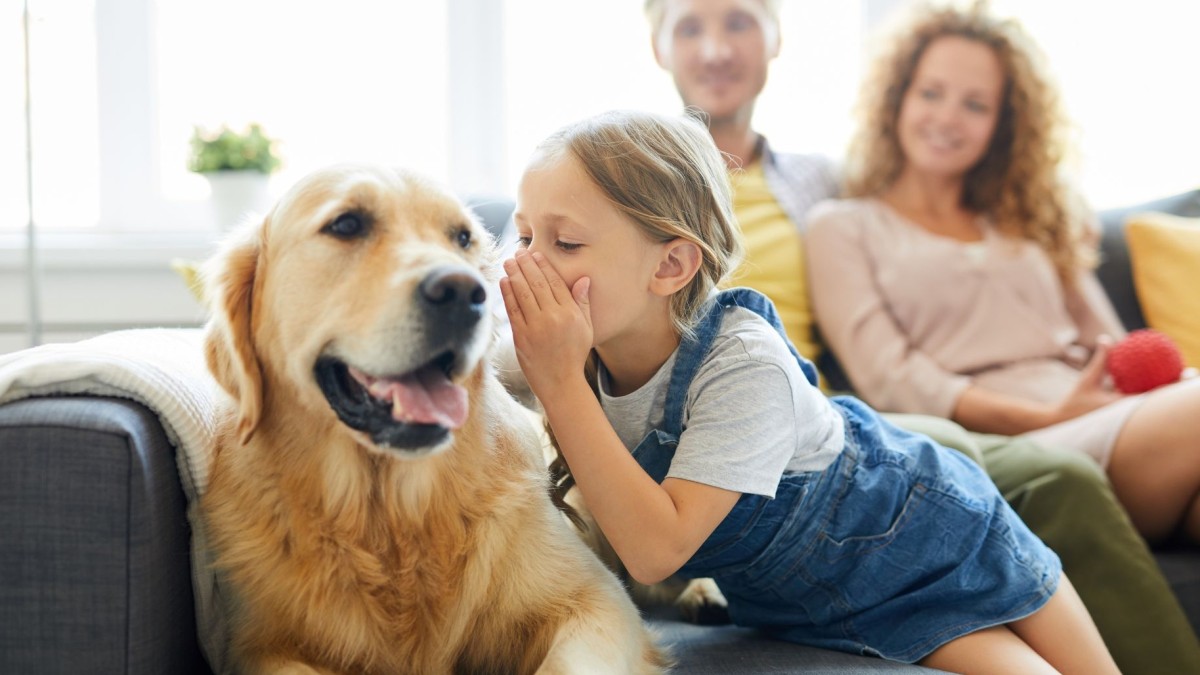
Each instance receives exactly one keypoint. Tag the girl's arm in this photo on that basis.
(653, 528)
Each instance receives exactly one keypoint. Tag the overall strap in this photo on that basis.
(693, 350)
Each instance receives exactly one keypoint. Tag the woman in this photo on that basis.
(957, 279)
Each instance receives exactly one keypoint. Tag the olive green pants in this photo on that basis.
(1066, 499)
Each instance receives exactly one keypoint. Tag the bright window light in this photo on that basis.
(347, 81)
(1129, 85)
(119, 84)
(63, 93)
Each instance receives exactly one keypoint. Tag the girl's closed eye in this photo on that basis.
(565, 246)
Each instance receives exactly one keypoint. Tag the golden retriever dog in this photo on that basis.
(378, 502)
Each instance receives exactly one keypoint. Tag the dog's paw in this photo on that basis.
(701, 602)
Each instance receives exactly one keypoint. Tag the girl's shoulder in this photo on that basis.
(746, 338)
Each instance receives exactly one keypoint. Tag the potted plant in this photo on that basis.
(237, 166)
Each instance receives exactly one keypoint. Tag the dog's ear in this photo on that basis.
(229, 339)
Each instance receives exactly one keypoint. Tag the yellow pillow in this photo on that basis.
(1164, 251)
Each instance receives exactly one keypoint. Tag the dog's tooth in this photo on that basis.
(397, 406)
(379, 388)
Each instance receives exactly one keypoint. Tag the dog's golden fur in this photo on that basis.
(346, 556)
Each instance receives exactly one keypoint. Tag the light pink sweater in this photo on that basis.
(915, 317)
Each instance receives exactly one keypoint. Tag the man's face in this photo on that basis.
(717, 51)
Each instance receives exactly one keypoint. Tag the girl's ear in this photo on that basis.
(680, 263)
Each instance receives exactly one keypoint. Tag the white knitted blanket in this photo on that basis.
(161, 368)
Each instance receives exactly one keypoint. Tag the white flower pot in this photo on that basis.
(237, 196)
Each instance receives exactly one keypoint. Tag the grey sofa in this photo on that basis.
(94, 564)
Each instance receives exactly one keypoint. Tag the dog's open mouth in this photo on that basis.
(412, 410)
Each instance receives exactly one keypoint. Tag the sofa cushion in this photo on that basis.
(1115, 272)
(1165, 254)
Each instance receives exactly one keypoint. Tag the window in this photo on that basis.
(464, 89)
(63, 107)
(567, 60)
(1128, 81)
(117, 86)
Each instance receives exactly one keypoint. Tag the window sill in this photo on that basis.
(106, 250)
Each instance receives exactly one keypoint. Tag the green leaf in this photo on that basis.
(228, 150)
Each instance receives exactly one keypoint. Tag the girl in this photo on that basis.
(702, 445)
(958, 281)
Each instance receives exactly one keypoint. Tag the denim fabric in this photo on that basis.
(896, 548)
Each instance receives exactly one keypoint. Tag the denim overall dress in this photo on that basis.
(896, 548)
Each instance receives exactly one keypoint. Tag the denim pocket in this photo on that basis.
(871, 528)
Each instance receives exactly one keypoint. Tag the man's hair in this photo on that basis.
(1016, 182)
(655, 10)
(666, 175)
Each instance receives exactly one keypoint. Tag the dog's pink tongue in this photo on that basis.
(428, 397)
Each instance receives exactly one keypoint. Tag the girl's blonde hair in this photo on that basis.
(666, 175)
(1016, 182)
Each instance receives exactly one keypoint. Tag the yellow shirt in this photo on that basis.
(774, 263)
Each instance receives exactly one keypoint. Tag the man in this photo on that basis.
(718, 53)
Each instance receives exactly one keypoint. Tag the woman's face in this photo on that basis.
(949, 113)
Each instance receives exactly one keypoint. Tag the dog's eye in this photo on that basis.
(463, 239)
(347, 226)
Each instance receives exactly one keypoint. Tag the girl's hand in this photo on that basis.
(551, 324)
(1089, 393)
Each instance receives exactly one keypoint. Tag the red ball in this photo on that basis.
(1144, 360)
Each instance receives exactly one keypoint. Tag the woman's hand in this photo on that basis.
(1089, 393)
(551, 324)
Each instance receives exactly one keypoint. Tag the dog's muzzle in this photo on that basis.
(416, 409)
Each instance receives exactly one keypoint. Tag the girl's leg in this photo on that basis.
(1155, 465)
(1058, 638)
(984, 652)
(1192, 524)
(1063, 634)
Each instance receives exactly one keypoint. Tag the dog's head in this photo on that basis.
(361, 296)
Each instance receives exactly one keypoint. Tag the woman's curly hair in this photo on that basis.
(1016, 182)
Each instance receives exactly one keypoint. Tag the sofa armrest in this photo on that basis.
(95, 572)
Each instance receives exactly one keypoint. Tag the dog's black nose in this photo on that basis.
(454, 286)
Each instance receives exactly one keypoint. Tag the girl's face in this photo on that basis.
(564, 215)
(949, 113)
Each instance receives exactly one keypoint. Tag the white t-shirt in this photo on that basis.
(750, 414)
